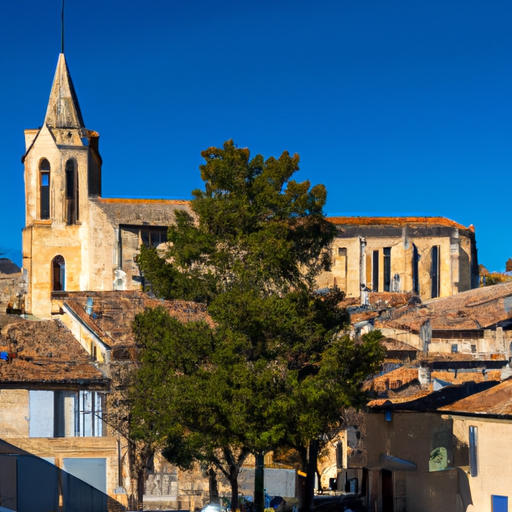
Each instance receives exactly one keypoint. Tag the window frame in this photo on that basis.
(473, 450)
(375, 270)
(74, 413)
(435, 271)
(58, 264)
(386, 268)
(72, 192)
(44, 189)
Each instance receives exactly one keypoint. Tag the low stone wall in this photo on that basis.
(12, 289)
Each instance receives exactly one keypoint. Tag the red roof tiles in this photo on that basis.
(45, 352)
(397, 221)
(471, 310)
(109, 200)
(494, 401)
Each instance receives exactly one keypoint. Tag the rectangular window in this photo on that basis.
(435, 271)
(153, 236)
(499, 503)
(455, 348)
(90, 415)
(415, 269)
(40, 414)
(387, 269)
(92, 471)
(66, 413)
(473, 452)
(375, 271)
(44, 191)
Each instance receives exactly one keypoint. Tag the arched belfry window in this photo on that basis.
(44, 189)
(72, 196)
(58, 274)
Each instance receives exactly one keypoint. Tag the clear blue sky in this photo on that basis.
(399, 107)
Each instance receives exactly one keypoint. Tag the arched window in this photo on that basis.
(44, 189)
(58, 274)
(72, 196)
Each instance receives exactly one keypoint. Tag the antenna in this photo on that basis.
(62, 29)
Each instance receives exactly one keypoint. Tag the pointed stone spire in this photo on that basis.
(63, 108)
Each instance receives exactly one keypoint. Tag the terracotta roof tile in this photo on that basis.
(113, 313)
(471, 310)
(395, 221)
(45, 352)
(460, 376)
(111, 200)
(426, 400)
(392, 344)
(393, 379)
(494, 401)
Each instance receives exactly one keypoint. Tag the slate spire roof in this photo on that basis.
(63, 109)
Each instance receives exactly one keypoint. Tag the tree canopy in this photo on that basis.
(273, 367)
(251, 225)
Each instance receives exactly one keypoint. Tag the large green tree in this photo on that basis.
(272, 368)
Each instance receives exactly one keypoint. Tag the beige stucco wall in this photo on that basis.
(13, 413)
(14, 429)
(494, 458)
(93, 346)
(413, 437)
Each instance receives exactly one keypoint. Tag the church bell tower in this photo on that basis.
(62, 171)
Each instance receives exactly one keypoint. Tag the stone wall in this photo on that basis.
(12, 291)
(358, 250)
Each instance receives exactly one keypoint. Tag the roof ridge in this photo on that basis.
(139, 200)
(400, 220)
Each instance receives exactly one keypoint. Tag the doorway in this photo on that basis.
(387, 491)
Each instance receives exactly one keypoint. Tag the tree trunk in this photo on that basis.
(145, 462)
(259, 477)
(212, 485)
(233, 480)
(310, 476)
(141, 479)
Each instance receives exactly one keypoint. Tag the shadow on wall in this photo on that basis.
(30, 483)
(465, 490)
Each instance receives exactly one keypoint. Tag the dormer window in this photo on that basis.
(44, 189)
(72, 196)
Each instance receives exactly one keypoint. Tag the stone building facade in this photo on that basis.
(52, 405)
(429, 256)
(74, 239)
